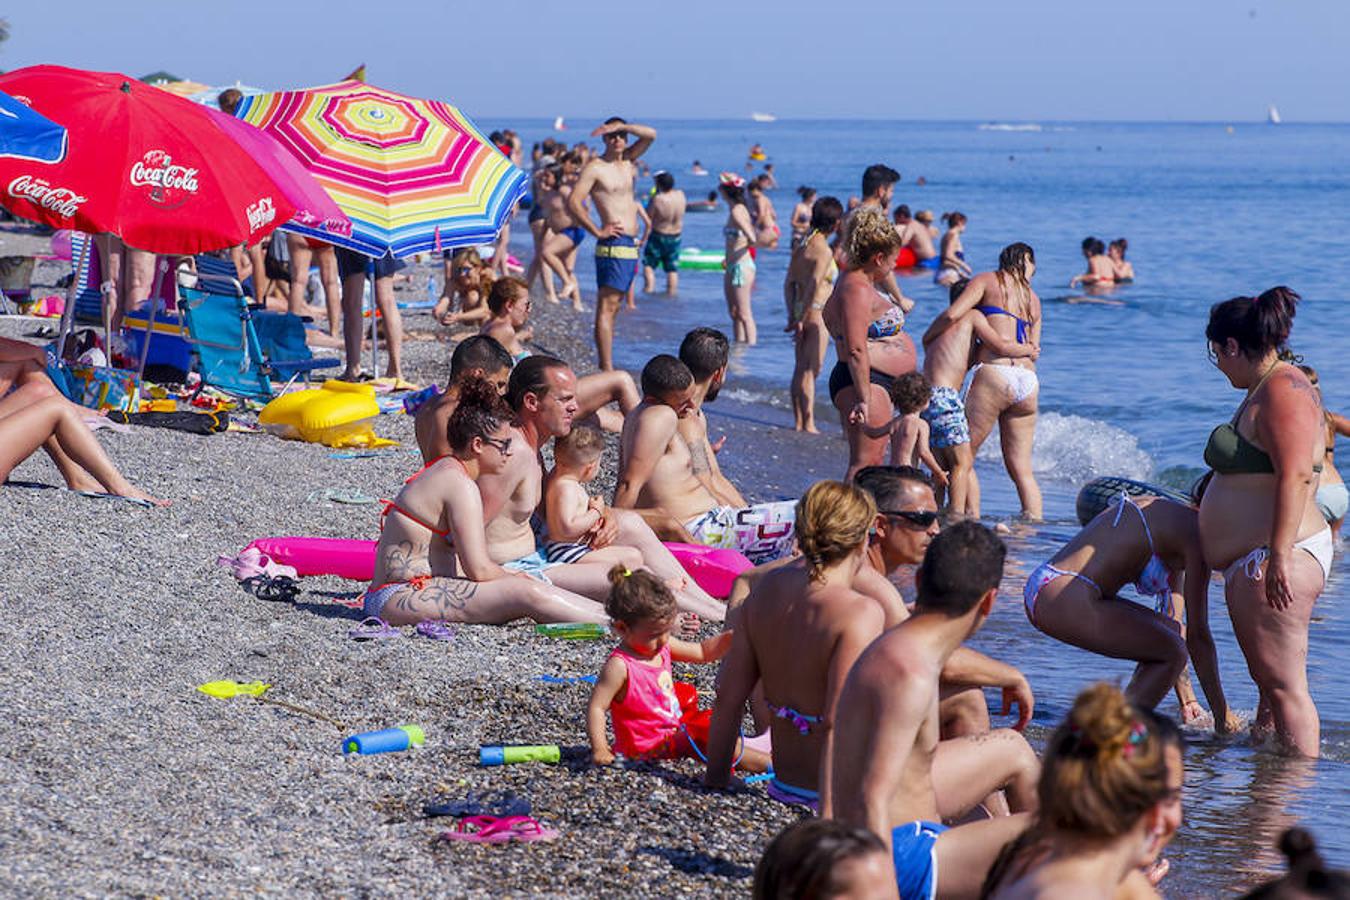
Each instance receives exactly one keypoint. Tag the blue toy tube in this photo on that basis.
(390, 740)
(502, 755)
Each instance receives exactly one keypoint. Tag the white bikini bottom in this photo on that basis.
(1021, 383)
(1318, 545)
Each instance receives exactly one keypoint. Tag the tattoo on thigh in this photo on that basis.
(449, 594)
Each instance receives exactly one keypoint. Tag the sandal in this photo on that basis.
(276, 588)
(373, 628)
(337, 495)
(436, 630)
(494, 830)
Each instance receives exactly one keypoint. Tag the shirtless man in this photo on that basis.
(477, 356)
(878, 188)
(563, 236)
(659, 469)
(889, 765)
(916, 236)
(666, 209)
(542, 394)
(608, 181)
(946, 358)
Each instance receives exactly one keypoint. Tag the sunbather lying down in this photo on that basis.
(34, 414)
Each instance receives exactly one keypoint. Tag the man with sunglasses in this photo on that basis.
(607, 180)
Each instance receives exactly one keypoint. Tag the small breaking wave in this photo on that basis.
(1009, 126)
(1075, 449)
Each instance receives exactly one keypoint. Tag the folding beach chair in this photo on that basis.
(238, 349)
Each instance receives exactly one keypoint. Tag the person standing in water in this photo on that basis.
(1101, 271)
(810, 280)
(801, 215)
(738, 282)
(666, 209)
(1124, 271)
(1004, 389)
(607, 180)
(953, 266)
(1332, 497)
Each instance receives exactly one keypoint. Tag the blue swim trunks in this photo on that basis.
(662, 252)
(576, 234)
(532, 565)
(615, 263)
(946, 418)
(913, 851)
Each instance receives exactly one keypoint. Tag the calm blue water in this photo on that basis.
(1124, 390)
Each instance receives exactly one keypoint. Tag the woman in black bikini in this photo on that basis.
(866, 325)
(1259, 522)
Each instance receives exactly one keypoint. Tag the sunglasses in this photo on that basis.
(503, 445)
(1211, 353)
(464, 270)
(916, 518)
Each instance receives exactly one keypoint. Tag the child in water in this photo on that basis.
(571, 514)
(909, 434)
(636, 686)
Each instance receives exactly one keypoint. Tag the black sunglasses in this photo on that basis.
(917, 518)
(503, 445)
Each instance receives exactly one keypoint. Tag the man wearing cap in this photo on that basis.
(666, 208)
(608, 181)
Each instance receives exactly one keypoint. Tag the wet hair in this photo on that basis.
(802, 859)
(1120, 244)
(1103, 768)
(504, 292)
(1013, 259)
(825, 214)
(957, 289)
(901, 212)
(704, 351)
(229, 99)
(961, 565)
(805, 192)
(638, 596)
(1258, 324)
(1093, 247)
(581, 446)
(1308, 876)
(952, 219)
(664, 181)
(479, 352)
(664, 374)
(869, 234)
(480, 412)
(530, 376)
(910, 392)
(876, 177)
(833, 520)
(886, 484)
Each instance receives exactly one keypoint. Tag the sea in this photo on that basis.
(1211, 211)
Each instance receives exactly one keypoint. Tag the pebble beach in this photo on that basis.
(118, 777)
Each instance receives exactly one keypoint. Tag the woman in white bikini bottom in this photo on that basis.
(1021, 382)
(1010, 401)
(1319, 546)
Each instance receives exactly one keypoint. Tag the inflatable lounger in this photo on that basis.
(1099, 493)
(714, 569)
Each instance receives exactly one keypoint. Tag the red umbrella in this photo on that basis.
(148, 166)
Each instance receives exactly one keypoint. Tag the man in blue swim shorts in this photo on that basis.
(889, 765)
(607, 180)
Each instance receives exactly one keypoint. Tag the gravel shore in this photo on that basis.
(117, 777)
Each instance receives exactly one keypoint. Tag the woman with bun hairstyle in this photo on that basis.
(1123, 269)
(1309, 876)
(1110, 800)
(741, 238)
(432, 560)
(1259, 521)
(866, 325)
(952, 266)
(799, 633)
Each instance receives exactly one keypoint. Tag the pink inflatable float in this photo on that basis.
(713, 568)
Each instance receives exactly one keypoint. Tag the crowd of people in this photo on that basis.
(869, 713)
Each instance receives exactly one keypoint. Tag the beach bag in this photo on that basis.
(103, 387)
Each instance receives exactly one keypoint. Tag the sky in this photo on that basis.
(987, 60)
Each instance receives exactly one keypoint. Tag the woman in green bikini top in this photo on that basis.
(1259, 524)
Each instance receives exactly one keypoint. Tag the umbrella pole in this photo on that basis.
(374, 324)
(161, 267)
(68, 314)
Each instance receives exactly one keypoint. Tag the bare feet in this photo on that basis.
(135, 493)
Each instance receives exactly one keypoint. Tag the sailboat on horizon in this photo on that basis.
(1272, 115)
(558, 124)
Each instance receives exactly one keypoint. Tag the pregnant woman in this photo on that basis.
(1259, 522)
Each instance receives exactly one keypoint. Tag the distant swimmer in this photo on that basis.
(926, 217)
(755, 155)
(1101, 271)
(952, 266)
(767, 178)
(914, 238)
(1116, 251)
(801, 214)
(708, 204)
(697, 169)
(765, 216)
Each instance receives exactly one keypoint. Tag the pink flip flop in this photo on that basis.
(499, 830)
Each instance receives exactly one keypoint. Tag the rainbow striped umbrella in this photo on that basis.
(412, 175)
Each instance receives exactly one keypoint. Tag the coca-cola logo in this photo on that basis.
(41, 193)
(170, 185)
(260, 213)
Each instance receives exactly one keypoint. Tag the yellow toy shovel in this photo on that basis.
(256, 689)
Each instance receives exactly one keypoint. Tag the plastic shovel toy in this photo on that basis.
(256, 689)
